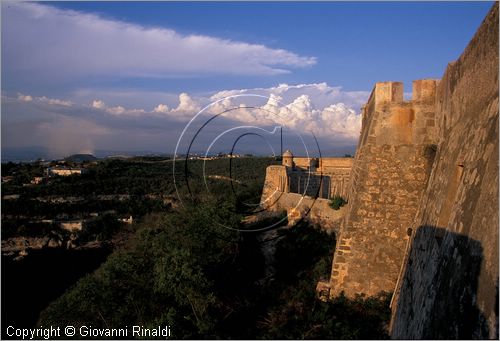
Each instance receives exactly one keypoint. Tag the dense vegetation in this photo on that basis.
(131, 176)
(184, 268)
(130, 187)
(186, 271)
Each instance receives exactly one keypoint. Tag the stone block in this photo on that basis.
(424, 90)
(388, 92)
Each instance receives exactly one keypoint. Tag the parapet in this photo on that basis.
(389, 119)
(424, 90)
(388, 92)
(335, 162)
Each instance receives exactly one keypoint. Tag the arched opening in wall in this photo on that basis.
(450, 199)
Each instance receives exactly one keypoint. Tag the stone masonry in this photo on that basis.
(449, 283)
(303, 186)
(422, 218)
(392, 164)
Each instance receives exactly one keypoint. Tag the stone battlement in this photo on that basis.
(388, 119)
(312, 179)
(325, 164)
(424, 90)
(422, 218)
(385, 93)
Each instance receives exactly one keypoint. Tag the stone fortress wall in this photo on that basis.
(422, 218)
(392, 164)
(326, 176)
(303, 186)
(449, 282)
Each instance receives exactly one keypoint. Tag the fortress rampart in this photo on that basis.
(449, 283)
(422, 217)
(393, 161)
(303, 186)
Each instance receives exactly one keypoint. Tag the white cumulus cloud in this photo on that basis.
(55, 101)
(187, 108)
(98, 104)
(319, 108)
(24, 98)
(43, 99)
(331, 113)
(116, 110)
(187, 104)
(161, 108)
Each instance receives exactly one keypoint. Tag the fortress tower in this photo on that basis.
(303, 186)
(287, 159)
(422, 219)
(393, 162)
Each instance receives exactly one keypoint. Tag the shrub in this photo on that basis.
(337, 202)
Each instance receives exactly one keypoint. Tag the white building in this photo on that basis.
(64, 171)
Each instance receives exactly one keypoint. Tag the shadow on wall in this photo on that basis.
(312, 185)
(439, 289)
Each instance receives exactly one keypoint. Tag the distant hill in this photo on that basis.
(24, 154)
(80, 158)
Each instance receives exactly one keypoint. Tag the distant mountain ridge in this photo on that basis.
(30, 154)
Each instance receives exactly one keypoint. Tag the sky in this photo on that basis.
(83, 77)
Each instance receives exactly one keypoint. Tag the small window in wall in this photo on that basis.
(450, 198)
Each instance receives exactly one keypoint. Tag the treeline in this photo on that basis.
(148, 187)
(101, 228)
(132, 177)
(135, 205)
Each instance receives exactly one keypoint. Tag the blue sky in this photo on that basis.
(114, 68)
(356, 43)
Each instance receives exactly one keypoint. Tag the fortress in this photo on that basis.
(422, 213)
(303, 186)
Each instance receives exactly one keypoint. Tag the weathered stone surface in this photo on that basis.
(316, 211)
(422, 218)
(449, 286)
(392, 166)
(301, 186)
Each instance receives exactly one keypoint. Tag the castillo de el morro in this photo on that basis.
(324, 170)
(422, 214)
